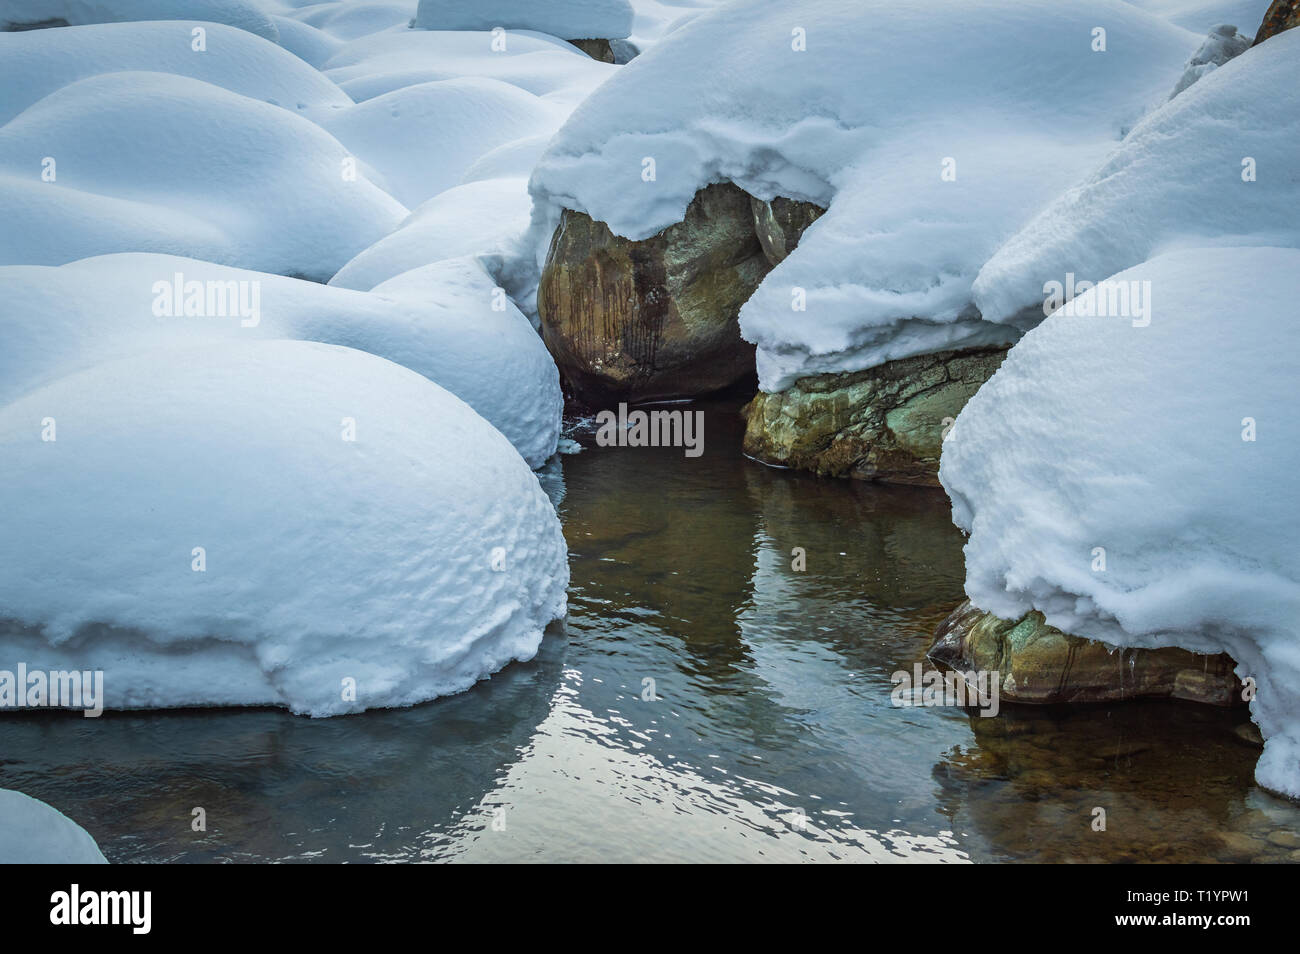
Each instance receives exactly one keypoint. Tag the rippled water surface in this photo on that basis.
(772, 738)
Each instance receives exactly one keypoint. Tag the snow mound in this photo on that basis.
(483, 218)
(1179, 178)
(567, 19)
(357, 18)
(1011, 91)
(241, 14)
(541, 65)
(33, 65)
(1200, 15)
(1167, 451)
(446, 321)
(204, 532)
(306, 42)
(33, 833)
(421, 139)
(158, 150)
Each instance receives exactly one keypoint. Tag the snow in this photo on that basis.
(1105, 432)
(33, 833)
(567, 19)
(1221, 44)
(1200, 15)
(541, 65)
(325, 560)
(485, 218)
(357, 18)
(151, 162)
(35, 64)
(241, 14)
(306, 42)
(421, 139)
(1012, 90)
(439, 321)
(1177, 179)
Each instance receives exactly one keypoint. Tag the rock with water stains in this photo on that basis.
(884, 423)
(1282, 15)
(656, 318)
(780, 224)
(1040, 664)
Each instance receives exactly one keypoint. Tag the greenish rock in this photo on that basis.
(884, 423)
(1038, 663)
(1281, 15)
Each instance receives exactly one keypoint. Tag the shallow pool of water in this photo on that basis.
(703, 701)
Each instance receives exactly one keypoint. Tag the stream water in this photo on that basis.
(767, 732)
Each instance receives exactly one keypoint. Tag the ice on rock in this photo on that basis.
(1166, 446)
(147, 161)
(33, 65)
(567, 19)
(1214, 165)
(33, 833)
(947, 126)
(269, 522)
(448, 321)
(241, 14)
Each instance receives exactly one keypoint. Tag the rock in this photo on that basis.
(654, 319)
(779, 224)
(1040, 664)
(885, 423)
(597, 49)
(1284, 838)
(1282, 15)
(1249, 733)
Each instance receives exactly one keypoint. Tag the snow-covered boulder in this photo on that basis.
(357, 18)
(486, 218)
(137, 161)
(1133, 476)
(448, 321)
(542, 65)
(1200, 15)
(306, 42)
(271, 522)
(931, 131)
(421, 139)
(1223, 43)
(1215, 165)
(33, 833)
(567, 19)
(30, 14)
(33, 65)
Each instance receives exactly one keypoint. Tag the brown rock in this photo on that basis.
(653, 319)
(1282, 15)
(1040, 664)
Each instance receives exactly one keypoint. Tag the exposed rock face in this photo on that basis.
(885, 423)
(597, 49)
(1040, 664)
(653, 319)
(1282, 15)
(780, 223)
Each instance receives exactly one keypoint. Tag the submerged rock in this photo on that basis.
(884, 423)
(1040, 664)
(657, 318)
